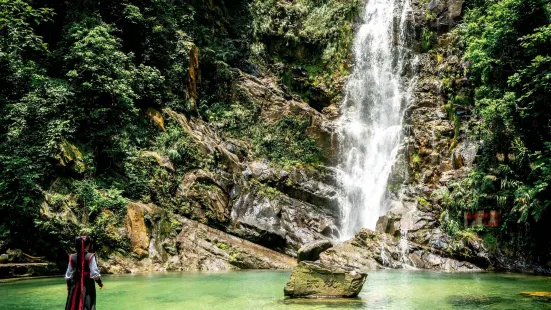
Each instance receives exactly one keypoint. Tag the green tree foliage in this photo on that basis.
(107, 81)
(285, 142)
(508, 46)
(78, 81)
(311, 39)
(24, 92)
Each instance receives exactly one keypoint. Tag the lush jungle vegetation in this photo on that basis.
(507, 45)
(82, 83)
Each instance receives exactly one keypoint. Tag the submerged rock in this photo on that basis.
(475, 301)
(538, 295)
(310, 279)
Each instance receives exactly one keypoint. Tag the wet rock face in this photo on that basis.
(135, 227)
(436, 143)
(284, 209)
(413, 235)
(439, 14)
(310, 279)
(282, 222)
(148, 230)
(211, 201)
(369, 250)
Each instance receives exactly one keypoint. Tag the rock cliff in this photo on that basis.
(437, 151)
(278, 207)
(191, 246)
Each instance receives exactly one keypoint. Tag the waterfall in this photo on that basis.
(376, 95)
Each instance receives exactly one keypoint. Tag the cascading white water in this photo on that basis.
(371, 122)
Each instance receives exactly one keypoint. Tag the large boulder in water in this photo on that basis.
(312, 251)
(310, 279)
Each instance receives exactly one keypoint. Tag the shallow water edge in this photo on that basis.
(384, 289)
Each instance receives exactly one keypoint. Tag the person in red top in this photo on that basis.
(81, 274)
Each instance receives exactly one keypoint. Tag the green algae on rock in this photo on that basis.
(310, 279)
(541, 295)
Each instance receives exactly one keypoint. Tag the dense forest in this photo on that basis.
(507, 45)
(83, 83)
(85, 87)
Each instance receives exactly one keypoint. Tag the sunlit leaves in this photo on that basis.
(17, 18)
(105, 78)
(508, 48)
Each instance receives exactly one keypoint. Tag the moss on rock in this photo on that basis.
(311, 279)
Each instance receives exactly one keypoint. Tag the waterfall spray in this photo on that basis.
(377, 93)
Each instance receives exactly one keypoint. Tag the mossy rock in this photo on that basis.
(317, 280)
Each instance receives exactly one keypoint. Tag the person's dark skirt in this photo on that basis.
(89, 294)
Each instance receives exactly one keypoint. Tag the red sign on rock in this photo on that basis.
(488, 218)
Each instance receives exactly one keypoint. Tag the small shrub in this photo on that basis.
(222, 246)
(423, 203)
(428, 38)
(490, 242)
(415, 158)
(449, 225)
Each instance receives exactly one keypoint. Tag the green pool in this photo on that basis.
(264, 290)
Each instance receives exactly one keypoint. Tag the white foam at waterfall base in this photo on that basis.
(371, 123)
(403, 246)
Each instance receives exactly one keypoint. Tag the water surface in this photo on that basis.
(264, 290)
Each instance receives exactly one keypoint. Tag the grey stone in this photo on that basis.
(312, 251)
(369, 250)
(280, 221)
(431, 5)
(455, 8)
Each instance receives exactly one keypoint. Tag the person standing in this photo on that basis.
(81, 274)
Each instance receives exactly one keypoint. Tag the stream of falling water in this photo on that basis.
(377, 93)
